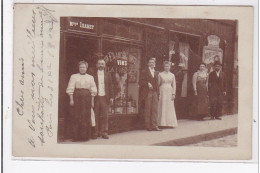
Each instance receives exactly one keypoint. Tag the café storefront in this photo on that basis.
(126, 45)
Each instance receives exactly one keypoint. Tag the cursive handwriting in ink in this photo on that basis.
(40, 85)
(33, 84)
(40, 67)
(41, 28)
(48, 13)
(50, 54)
(41, 48)
(49, 127)
(50, 82)
(32, 121)
(50, 45)
(22, 74)
(31, 141)
(20, 103)
(41, 117)
(31, 35)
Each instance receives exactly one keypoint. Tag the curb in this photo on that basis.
(198, 138)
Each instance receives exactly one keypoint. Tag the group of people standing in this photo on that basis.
(90, 96)
(158, 90)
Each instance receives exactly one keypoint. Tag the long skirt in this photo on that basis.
(166, 110)
(81, 115)
(203, 100)
(200, 104)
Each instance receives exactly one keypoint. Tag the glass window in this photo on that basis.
(121, 29)
(109, 28)
(123, 62)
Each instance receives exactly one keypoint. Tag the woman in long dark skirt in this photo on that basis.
(81, 90)
(200, 86)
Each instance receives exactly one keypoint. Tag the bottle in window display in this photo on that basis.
(111, 108)
(119, 105)
(124, 103)
(129, 105)
(134, 106)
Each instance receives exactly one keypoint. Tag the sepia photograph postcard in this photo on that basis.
(132, 82)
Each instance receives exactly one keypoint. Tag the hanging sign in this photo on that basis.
(212, 52)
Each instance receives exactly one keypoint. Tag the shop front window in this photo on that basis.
(123, 63)
(123, 30)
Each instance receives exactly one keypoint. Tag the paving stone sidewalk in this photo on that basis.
(187, 132)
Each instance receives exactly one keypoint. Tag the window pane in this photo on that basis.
(109, 28)
(123, 63)
(121, 29)
(134, 55)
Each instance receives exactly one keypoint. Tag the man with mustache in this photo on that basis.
(104, 97)
(216, 90)
(149, 94)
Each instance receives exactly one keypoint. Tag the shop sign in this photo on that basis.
(122, 57)
(212, 52)
(122, 62)
(87, 25)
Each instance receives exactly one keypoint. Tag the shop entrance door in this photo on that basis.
(184, 52)
(75, 48)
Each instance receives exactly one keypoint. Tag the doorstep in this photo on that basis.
(187, 132)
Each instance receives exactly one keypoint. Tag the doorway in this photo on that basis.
(76, 48)
(184, 50)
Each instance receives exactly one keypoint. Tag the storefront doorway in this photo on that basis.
(76, 48)
(184, 51)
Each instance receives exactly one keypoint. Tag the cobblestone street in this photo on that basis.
(227, 141)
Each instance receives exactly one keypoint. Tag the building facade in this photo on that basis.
(126, 45)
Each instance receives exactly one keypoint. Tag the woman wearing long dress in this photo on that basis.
(200, 87)
(81, 90)
(167, 90)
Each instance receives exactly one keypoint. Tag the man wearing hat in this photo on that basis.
(216, 90)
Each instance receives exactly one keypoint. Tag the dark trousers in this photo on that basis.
(151, 110)
(81, 115)
(216, 102)
(101, 117)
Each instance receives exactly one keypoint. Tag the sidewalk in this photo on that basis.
(187, 132)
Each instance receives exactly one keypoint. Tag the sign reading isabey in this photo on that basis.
(80, 24)
(212, 52)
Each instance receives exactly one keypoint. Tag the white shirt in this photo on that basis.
(101, 83)
(218, 72)
(152, 71)
(81, 81)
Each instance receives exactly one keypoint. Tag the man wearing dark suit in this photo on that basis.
(217, 90)
(104, 97)
(149, 94)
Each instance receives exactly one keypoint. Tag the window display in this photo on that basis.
(123, 62)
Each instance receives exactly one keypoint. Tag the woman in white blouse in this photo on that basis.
(167, 89)
(81, 90)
